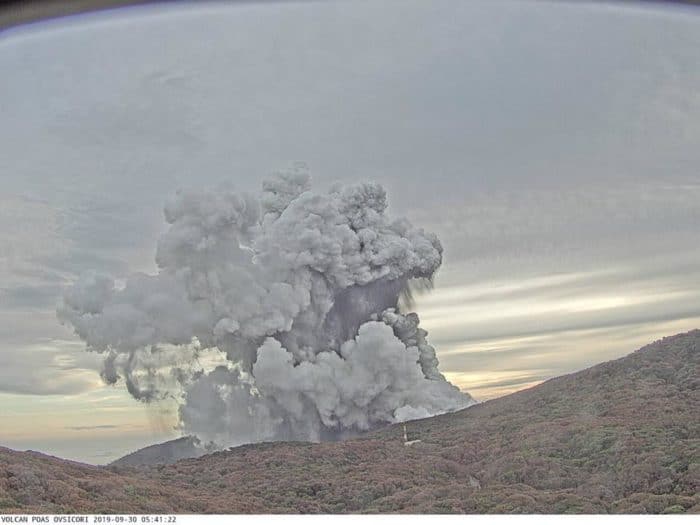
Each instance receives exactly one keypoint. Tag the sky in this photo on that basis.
(553, 148)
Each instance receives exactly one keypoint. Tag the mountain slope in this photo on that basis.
(162, 453)
(622, 436)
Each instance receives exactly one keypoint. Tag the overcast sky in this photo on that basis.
(554, 149)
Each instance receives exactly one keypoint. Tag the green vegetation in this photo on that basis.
(621, 437)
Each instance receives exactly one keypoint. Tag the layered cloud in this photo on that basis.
(545, 144)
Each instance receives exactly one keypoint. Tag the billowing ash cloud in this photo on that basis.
(298, 290)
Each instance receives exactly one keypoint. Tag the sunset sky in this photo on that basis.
(553, 148)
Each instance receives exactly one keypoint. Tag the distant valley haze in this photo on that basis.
(552, 148)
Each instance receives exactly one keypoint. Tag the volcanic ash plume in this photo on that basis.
(297, 294)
